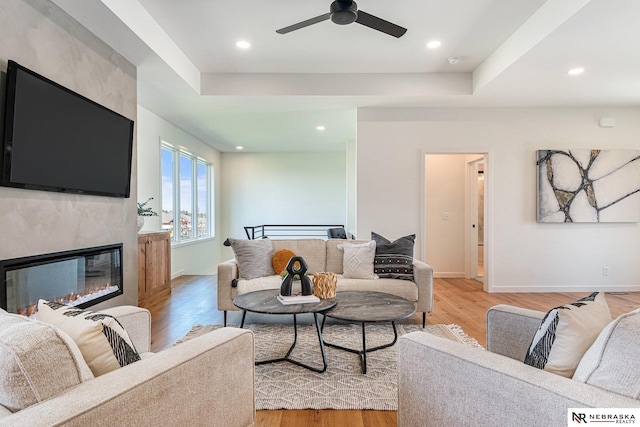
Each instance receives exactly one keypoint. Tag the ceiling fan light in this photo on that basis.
(344, 12)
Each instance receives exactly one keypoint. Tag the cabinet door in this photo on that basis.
(158, 263)
(142, 264)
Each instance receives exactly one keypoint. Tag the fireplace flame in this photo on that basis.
(74, 299)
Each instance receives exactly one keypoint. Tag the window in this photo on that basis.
(185, 171)
(186, 194)
(202, 192)
(167, 189)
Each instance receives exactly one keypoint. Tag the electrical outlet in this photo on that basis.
(445, 216)
(605, 271)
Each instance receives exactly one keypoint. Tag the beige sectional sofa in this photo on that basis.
(324, 256)
(187, 384)
(441, 382)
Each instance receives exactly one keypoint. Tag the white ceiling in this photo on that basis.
(513, 53)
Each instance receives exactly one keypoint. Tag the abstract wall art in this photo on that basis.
(588, 185)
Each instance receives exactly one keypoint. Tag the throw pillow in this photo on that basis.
(253, 257)
(102, 340)
(38, 362)
(394, 260)
(566, 333)
(612, 362)
(281, 259)
(357, 261)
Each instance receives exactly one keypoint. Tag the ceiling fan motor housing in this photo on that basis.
(344, 12)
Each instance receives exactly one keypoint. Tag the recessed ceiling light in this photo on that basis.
(434, 44)
(320, 127)
(575, 71)
(243, 44)
(239, 147)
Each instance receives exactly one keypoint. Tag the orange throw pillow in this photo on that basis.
(281, 259)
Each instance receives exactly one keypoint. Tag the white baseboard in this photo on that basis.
(517, 289)
(448, 275)
(177, 274)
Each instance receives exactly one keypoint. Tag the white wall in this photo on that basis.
(352, 190)
(38, 35)
(281, 188)
(523, 256)
(200, 257)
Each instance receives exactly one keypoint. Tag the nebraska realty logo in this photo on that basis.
(580, 416)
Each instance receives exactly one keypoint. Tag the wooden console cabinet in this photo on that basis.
(154, 265)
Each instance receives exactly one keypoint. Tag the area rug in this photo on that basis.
(284, 385)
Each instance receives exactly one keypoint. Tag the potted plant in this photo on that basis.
(144, 211)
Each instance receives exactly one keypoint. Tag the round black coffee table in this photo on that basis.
(369, 307)
(266, 302)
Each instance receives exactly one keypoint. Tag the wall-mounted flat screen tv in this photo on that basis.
(58, 140)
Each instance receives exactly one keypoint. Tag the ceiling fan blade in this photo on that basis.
(303, 24)
(380, 24)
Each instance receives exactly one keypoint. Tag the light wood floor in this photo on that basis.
(460, 301)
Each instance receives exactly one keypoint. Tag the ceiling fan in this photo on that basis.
(343, 12)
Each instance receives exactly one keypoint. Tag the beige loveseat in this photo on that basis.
(188, 384)
(324, 256)
(441, 382)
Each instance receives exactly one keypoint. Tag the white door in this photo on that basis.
(475, 219)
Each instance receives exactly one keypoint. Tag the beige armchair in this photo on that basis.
(441, 382)
(187, 384)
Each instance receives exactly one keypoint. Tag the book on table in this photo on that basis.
(297, 299)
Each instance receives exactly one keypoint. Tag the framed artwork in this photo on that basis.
(588, 185)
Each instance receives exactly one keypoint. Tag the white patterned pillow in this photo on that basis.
(612, 362)
(104, 343)
(38, 362)
(566, 333)
(357, 261)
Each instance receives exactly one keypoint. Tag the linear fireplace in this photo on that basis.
(80, 278)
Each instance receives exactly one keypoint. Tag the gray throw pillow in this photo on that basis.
(612, 362)
(254, 257)
(39, 361)
(394, 260)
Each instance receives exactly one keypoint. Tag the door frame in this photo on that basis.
(487, 283)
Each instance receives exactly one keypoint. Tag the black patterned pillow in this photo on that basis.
(566, 333)
(394, 260)
(102, 340)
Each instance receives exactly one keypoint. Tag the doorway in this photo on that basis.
(455, 215)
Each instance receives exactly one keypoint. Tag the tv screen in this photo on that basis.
(58, 140)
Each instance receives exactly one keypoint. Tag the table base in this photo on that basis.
(286, 357)
(363, 353)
